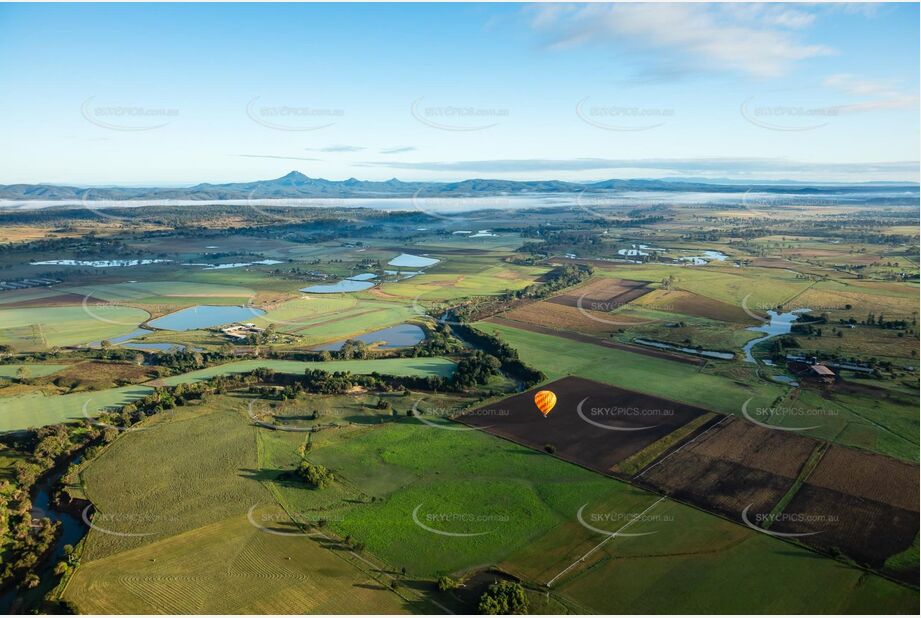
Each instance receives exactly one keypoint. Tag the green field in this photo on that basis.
(323, 318)
(460, 277)
(558, 357)
(887, 425)
(166, 292)
(763, 287)
(36, 409)
(199, 552)
(32, 294)
(391, 366)
(41, 328)
(29, 370)
(704, 564)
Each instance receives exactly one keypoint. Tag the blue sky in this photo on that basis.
(179, 94)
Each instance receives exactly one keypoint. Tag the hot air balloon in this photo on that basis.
(545, 400)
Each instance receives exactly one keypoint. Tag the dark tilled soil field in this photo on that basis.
(778, 452)
(734, 466)
(861, 504)
(865, 530)
(868, 475)
(718, 486)
(613, 425)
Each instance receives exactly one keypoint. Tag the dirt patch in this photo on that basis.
(535, 328)
(594, 425)
(774, 262)
(379, 293)
(99, 375)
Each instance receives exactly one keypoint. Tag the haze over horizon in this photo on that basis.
(176, 95)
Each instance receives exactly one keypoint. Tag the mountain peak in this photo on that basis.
(295, 176)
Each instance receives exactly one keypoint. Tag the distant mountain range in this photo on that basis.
(298, 185)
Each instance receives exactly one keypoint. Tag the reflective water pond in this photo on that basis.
(400, 336)
(205, 316)
(412, 261)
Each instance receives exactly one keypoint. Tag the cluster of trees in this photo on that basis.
(882, 322)
(472, 369)
(279, 393)
(509, 362)
(25, 541)
(438, 342)
(504, 598)
(558, 242)
(351, 349)
(557, 279)
(269, 335)
(315, 475)
(637, 219)
(475, 369)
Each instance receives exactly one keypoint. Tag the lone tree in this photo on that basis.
(316, 475)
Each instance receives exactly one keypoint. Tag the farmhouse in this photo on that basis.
(823, 373)
(241, 331)
(812, 370)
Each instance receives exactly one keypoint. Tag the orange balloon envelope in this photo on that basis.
(545, 400)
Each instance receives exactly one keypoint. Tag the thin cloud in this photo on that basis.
(782, 15)
(851, 84)
(881, 94)
(337, 148)
(398, 150)
(735, 166)
(284, 158)
(693, 35)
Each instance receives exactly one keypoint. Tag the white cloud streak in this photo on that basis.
(751, 40)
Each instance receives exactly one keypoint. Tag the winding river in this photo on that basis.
(780, 324)
(71, 530)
